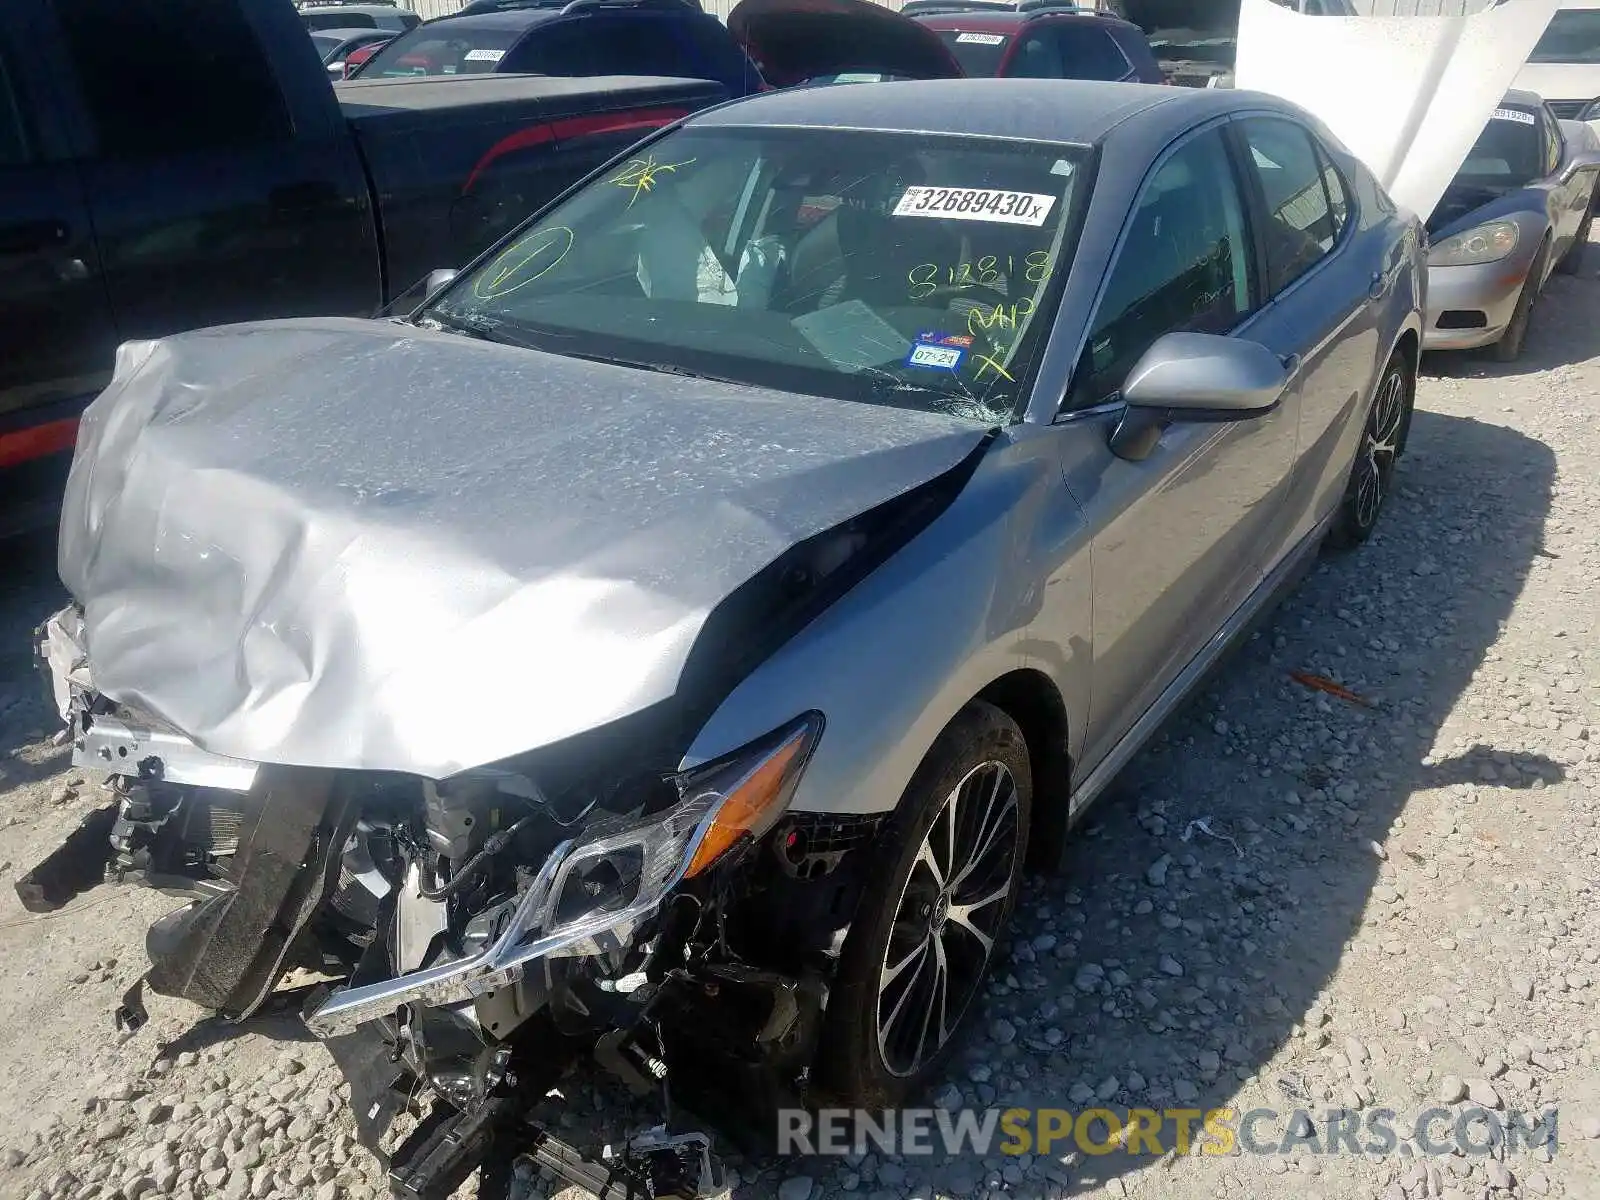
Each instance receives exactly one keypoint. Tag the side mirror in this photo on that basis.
(1196, 377)
(438, 279)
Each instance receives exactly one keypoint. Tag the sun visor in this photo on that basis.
(1407, 95)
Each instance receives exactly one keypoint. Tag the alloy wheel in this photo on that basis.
(1379, 447)
(949, 914)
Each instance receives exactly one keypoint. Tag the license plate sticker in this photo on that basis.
(1514, 114)
(938, 352)
(980, 39)
(975, 204)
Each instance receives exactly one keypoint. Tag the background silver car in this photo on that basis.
(901, 455)
(1519, 208)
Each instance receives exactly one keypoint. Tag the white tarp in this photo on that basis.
(1407, 95)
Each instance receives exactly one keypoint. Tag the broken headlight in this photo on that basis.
(620, 869)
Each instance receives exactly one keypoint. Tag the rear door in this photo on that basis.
(224, 185)
(1318, 285)
(56, 332)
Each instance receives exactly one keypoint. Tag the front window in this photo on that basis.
(1573, 36)
(980, 54)
(907, 270)
(431, 50)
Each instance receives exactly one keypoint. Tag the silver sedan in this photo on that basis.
(806, 516)
(1518, 210)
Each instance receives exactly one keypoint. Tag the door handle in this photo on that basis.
(1375, 289)
(30, 237)
(1291, 364)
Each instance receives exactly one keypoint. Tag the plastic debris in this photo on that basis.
(1320, 683)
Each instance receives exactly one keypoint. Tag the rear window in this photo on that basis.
(1508, 153)
(979, 54)
(1573, 36)
(433, 50)
(1090, 54)
(339, 20)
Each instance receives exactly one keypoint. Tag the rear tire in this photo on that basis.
(940, 898)
(1383, 439)
(1509, 347)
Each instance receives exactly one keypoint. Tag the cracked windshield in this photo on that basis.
(911, 271)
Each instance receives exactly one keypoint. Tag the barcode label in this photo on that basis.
(975, 204)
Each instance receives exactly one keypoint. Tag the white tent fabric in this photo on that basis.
(1407, 95)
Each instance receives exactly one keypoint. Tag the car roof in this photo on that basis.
(1525, 99)
(371, 10)
(352, 31)
(1045, 110)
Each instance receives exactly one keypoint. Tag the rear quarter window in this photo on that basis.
(1090, 54)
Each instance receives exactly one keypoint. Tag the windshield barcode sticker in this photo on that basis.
(980, 39)
(484, 55)
(975, 204)
(1512, 114)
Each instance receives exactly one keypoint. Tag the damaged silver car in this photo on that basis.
(670, 643)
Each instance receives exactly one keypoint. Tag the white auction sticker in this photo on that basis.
(484, 55)
(1512, 114)
(980, 39)
(975, 204)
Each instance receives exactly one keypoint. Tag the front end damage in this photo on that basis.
(474, 938)
(419, 766)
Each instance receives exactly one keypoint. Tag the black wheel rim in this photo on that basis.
(1379, 444)
(947, 919)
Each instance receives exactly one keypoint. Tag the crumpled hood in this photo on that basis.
(358, 544)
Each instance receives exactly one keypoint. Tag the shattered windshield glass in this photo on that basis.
(910, 270)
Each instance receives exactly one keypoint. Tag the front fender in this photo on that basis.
(891, 662)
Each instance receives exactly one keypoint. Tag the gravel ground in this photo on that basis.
(1399, 906)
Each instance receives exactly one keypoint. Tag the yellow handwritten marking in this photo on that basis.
(515, 261)
(641, 174)
(1000, 316)
(987, 363)
(926, 278)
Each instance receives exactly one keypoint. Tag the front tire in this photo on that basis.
(1509, 347)
(1382, 442)
(939, 900)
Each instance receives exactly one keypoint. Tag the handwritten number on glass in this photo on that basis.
(926, 278)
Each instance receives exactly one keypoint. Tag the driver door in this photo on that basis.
(1176, 534)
